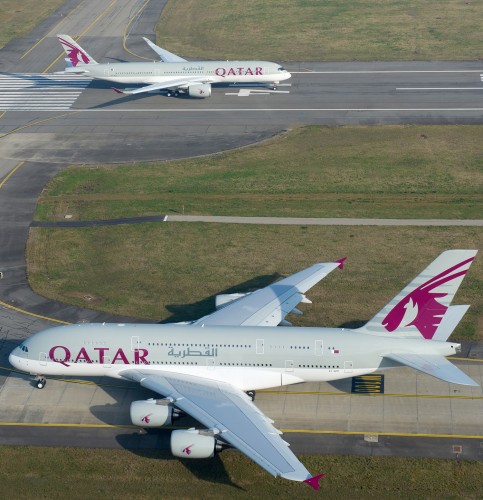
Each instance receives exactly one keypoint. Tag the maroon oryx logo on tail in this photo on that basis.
(75, 54)
(420, 308)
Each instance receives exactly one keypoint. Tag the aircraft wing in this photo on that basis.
(163, 54)
(433, 364)
(166, 84)
(231, 414)
(269, 306)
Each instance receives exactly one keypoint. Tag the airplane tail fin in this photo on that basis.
(75, 53)
(422, 308)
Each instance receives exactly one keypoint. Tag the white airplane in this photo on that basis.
(205, 367)
(173, 74)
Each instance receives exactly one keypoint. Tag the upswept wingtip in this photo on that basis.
(314, 481)
(341, 262)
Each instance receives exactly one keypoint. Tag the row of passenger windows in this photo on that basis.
(170, 344)
(249, 346)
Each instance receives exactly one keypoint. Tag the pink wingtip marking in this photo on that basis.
(314, 481)
(117, 90)
(341, 262)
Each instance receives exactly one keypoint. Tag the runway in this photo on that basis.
(48, 121)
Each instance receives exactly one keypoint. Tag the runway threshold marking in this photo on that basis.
(10, 174)
(83, 32)
(28, 313)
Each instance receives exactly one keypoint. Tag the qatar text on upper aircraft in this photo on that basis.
(172, 73)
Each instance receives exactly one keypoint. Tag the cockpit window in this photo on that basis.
(24, 348)
(281, 69)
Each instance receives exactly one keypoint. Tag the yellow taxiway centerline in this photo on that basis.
(11, 173)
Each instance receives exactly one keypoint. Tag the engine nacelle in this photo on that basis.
(193, 443)
(199, 90)
(152, 413)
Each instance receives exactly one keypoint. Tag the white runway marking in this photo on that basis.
(368, 72)
(37, 92)
(439, 88)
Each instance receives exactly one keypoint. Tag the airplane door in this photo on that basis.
(107, 362)
(210, 363)
(260, 346)
(135, 343)
(289, 365)
(319, 348)
(43, 359)
(348, 366)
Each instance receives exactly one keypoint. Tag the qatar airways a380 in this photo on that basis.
(209, 368)
(172, 73)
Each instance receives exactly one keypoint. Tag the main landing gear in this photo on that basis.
(40, 382)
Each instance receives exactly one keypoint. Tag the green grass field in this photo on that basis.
(18, 18)
(388, 172)
(323, 30)
(171, 271)
(29, 472)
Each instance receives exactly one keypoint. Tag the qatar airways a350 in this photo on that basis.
(172, 73)
(211, 367)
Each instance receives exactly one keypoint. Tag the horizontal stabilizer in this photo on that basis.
(450, 321)
(434, 365)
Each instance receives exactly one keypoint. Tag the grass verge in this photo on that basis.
(171, 271)
(387, 172)
(31, 472)
(18, 18)
(323, 30)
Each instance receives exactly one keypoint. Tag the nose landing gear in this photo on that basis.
(40, 382)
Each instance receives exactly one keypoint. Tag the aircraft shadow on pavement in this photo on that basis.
(191, 312)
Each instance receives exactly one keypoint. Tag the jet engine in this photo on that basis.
(199, 90)
(153, 413)
(194, 443)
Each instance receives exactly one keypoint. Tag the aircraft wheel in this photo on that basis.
(41, 383)
(168, 93)
(176, 93)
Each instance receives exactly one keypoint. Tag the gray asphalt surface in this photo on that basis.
(98, 126)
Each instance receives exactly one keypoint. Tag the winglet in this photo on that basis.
(341, 262)
(314, 481)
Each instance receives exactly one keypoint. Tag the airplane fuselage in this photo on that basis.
(210, 71)
(249, 358)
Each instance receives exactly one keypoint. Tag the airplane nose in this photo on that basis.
(15, 361)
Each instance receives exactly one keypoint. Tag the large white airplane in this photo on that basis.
(205, 368)
(173, 74)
